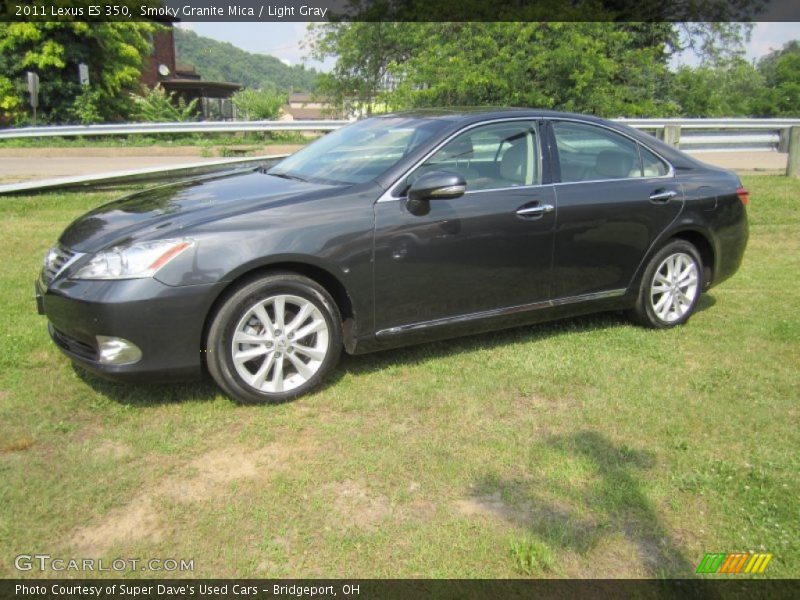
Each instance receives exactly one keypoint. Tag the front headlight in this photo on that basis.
(133, 262)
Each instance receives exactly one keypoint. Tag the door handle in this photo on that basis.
(535, 211)
(663, 195)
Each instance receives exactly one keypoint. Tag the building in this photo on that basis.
(160, 68)
(304, 107)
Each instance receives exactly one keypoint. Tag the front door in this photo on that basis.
(489, 249)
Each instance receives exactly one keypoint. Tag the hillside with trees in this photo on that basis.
(221, 61)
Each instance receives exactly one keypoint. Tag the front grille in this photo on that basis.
(56, 260)
(73, 346)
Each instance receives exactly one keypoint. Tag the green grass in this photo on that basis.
(586, 447)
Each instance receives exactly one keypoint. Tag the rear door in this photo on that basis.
(614, 198)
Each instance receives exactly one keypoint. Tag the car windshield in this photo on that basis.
(359, 152)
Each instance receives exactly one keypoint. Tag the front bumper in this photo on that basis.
(164, 322)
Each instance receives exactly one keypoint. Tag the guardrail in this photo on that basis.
(692, 135)
(184, 127)
(715, 135)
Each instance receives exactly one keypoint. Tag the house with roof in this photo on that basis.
(160, 68)
(308, 107)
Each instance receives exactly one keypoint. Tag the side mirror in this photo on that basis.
(437, 185)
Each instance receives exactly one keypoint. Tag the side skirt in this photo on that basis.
(498, 312)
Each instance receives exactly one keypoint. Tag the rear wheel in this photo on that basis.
(671, 286)
(274, 339)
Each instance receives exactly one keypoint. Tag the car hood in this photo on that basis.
(173, 207)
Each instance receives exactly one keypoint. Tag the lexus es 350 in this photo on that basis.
(393, 230)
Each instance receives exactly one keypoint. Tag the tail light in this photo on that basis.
(744, 195)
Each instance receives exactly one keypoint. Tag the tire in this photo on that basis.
(261, 349)
(671, 286)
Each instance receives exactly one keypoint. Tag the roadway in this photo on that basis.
(28, 164)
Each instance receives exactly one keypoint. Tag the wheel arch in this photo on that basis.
(316, 273)
(704, 247)
(699, 238)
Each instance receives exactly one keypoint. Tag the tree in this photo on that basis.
(585, 67)
(781, 72)
(364, 54)
(729, 88)
(603, 68)
(113, 52)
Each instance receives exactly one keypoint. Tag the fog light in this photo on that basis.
(116, 351)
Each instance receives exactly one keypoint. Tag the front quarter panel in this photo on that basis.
(333, 233)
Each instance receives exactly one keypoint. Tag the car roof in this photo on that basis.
(478, 113)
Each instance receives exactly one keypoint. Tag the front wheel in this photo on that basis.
(671, 286)
(274, 339)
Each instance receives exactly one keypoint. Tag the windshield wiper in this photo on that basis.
(285, 175)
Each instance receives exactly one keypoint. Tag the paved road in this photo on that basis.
(746, 161)
(13, 170)
(46, 163)
(28, 164)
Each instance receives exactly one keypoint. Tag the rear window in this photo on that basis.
(652, 166)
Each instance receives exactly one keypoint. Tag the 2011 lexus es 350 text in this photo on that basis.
(393, 230)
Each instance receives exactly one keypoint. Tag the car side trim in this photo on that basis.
(499, 312)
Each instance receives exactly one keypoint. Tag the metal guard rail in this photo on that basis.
(695, 135)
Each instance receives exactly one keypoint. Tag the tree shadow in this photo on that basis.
(609, 500)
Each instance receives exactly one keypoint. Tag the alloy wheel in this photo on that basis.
(279, 343)
(674, 287)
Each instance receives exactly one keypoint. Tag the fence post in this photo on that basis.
(793, 162)
(672, 135)
(783, 139)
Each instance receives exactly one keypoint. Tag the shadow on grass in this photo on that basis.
(150, 394)
(580, 518)
(706, 301)
(204, 390)
(369, 363)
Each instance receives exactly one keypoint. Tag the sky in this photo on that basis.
(284, 40)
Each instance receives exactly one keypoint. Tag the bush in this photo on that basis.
(257, 105)
(158, 106)
(85, 109)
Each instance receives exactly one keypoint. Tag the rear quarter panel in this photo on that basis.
(712, 209)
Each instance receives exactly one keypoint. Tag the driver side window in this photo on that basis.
(493, 156)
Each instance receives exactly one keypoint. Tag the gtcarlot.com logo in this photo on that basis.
(46, 562)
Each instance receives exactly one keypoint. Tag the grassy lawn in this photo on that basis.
(587, 447)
